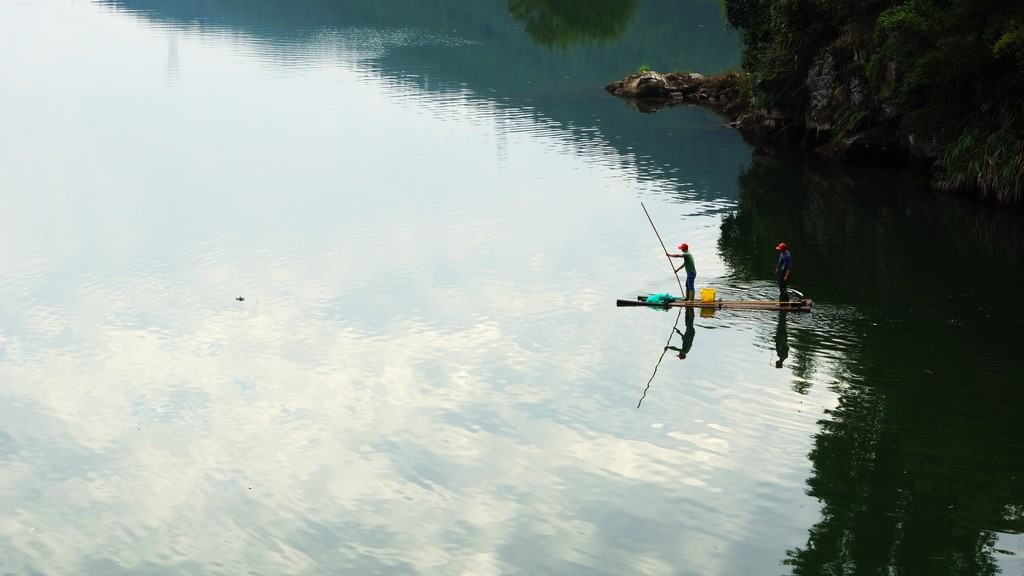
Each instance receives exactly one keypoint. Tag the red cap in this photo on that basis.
(781, 247)
(684, 246)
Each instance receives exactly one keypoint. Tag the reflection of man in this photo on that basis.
(781, 340)
(687, 336)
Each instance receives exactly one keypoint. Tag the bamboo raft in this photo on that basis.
(791, 306)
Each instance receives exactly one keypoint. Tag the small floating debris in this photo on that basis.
(240, 299)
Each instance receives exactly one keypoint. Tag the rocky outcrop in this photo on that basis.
(650, 91)
(813, 130)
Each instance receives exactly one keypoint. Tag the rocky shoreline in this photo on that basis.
(651, 91)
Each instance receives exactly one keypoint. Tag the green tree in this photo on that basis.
(946, 75)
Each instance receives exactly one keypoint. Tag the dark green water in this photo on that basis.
(428, 210)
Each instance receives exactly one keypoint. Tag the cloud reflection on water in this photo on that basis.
(419, 378)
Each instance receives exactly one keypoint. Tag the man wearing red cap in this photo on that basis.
(782, 271)
(691, 269)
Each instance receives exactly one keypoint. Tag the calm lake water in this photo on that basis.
(329, 287)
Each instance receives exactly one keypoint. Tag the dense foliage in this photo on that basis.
(948, 75)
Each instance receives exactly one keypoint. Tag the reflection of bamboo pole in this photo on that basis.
(663, 351)
(678, 281)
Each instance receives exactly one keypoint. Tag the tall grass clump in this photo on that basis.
(988, 159)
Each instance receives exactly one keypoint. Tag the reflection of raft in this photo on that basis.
(792, 306)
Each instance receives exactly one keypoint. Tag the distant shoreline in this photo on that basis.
(649, 91)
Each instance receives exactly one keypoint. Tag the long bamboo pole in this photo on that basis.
(678, 281)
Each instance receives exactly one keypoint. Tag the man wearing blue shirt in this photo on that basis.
(782, 271)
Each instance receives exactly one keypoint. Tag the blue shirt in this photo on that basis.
(785, 261)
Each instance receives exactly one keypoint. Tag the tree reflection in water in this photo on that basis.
(563, 23)
(919, 467)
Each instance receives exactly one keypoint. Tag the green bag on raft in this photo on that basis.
(661, 298)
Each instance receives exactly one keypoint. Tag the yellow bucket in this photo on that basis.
(707, 294)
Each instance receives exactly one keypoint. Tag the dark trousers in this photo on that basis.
(783, 288)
